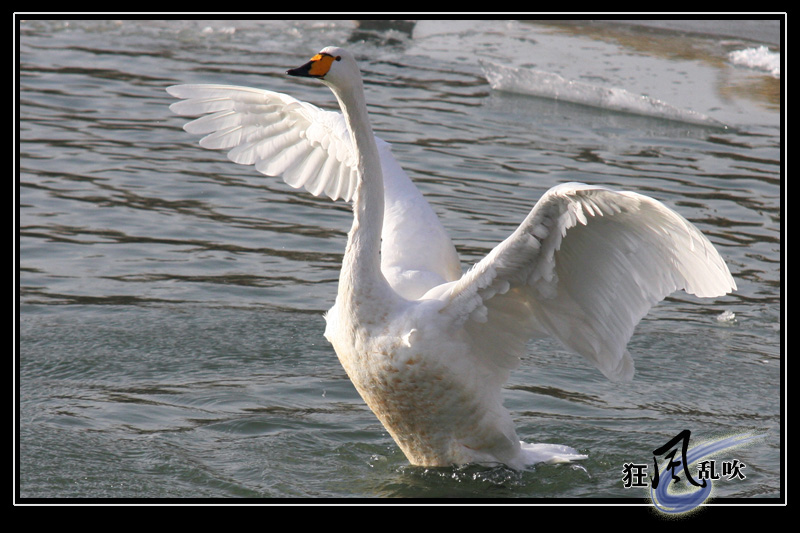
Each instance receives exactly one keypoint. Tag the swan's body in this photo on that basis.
(428, 348)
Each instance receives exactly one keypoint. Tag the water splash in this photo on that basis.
(760, 58)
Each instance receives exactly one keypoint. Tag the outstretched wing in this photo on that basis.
(584, 267)
(281, 136)
(311, 148)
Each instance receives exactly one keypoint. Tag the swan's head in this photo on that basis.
(333, 65)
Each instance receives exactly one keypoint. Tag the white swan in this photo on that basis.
(428, 348)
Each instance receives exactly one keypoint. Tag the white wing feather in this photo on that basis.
(311, 148)
(585, 266)
(281, 136)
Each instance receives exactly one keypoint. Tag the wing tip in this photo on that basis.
(622, 372)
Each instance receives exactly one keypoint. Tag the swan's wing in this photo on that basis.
(311, 148)
(585, 266)
(281, 136)
(416, 251)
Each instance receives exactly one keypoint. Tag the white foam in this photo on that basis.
(726, 316)
(760, 58)
(550, 85)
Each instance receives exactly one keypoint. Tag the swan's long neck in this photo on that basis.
(361, 278)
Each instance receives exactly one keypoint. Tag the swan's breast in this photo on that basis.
(424, 391)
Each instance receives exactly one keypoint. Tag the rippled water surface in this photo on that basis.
(170, 302)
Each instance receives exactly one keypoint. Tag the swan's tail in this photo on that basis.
(550, 453)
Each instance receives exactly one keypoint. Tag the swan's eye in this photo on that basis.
(338, 58)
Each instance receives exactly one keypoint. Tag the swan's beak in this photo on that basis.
(316, 68)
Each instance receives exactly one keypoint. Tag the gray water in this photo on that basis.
(169, 325)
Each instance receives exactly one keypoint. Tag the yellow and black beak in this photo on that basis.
(317, 67)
